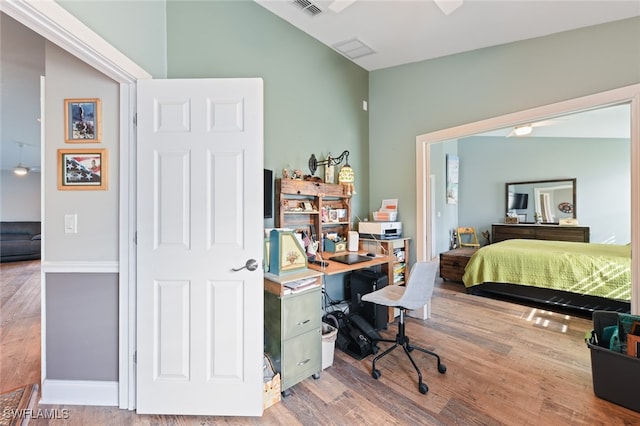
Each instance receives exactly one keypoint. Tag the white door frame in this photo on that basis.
(55, 24)
(627, 94)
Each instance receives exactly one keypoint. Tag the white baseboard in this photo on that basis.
(79, 392)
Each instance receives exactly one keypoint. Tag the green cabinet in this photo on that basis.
(293, 331)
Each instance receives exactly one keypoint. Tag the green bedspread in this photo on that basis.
(602, 270)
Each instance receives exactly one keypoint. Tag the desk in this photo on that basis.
(339, 268)
(385, 262)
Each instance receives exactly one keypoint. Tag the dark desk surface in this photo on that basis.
(339, 268)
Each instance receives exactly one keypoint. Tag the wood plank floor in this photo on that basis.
(507, 364)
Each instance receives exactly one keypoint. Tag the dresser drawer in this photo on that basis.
(301, 357)
(300, 315)
(453, 262)
(564, 234)
(501, 233)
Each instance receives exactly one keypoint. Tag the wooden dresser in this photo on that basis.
(453, 262)
(506, 231)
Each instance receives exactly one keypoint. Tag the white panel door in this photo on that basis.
(200, 172)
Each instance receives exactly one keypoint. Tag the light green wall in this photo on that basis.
(602, 170)
(414, 99)
(312, 95)
(137, 28)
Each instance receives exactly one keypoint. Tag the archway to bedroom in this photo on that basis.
(435, 218)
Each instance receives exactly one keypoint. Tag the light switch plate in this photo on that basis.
(71, 223)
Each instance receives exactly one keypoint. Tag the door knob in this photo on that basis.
(251, 265)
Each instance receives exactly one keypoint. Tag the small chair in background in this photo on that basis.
(415, 295)
(467, 237)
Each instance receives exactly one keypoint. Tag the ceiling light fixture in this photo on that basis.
(523, 130)
(20, 169)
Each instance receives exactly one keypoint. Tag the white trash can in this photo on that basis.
(329, 335)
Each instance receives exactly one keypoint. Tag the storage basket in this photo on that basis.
(272, 386)
(615, 375)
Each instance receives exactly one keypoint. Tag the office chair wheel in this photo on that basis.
(423, 388)
(316, 376)
(442, 368)
(376, 373)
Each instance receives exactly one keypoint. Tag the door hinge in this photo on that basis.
(135, 119)
(135, 357)
(135, 238)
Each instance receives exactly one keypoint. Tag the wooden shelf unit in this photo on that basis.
(291, 196)
(398, 269)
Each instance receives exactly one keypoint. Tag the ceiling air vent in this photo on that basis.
(308, 7)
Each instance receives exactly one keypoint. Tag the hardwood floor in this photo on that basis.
(19, 324)
(507, 364)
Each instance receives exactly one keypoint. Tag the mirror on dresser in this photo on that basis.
(541, 201)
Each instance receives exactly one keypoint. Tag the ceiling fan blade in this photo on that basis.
(448, 6)
(339, 5)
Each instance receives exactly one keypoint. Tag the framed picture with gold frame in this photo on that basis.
(286, 253)
(83, 169)
(82, 120)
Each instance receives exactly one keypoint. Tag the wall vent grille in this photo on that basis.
(309, 7)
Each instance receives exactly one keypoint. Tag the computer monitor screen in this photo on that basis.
(268, 194)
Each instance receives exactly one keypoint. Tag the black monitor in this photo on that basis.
(518, 201)
(268, 194)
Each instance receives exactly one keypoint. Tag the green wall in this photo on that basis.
(602, 171)
(414, 99)
(312, 95)
(135, 27)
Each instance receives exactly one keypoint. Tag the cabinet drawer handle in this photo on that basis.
(304, 362)
(304, 322)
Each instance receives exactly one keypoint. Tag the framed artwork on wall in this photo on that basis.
(82, 120)
(453, 165)
(82, 169)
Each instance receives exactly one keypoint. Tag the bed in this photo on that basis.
(582, 276)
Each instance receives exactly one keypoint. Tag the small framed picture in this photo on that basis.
(82, 169)
(82, 121)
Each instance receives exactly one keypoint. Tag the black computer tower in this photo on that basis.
(365, 281)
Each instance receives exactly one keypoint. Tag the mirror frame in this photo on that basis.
(545, 181)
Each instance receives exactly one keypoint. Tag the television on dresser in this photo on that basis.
(518, 201)
(268, 194)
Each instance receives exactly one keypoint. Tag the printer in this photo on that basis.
(380, 230)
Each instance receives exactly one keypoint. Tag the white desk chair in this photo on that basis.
(415, 295)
